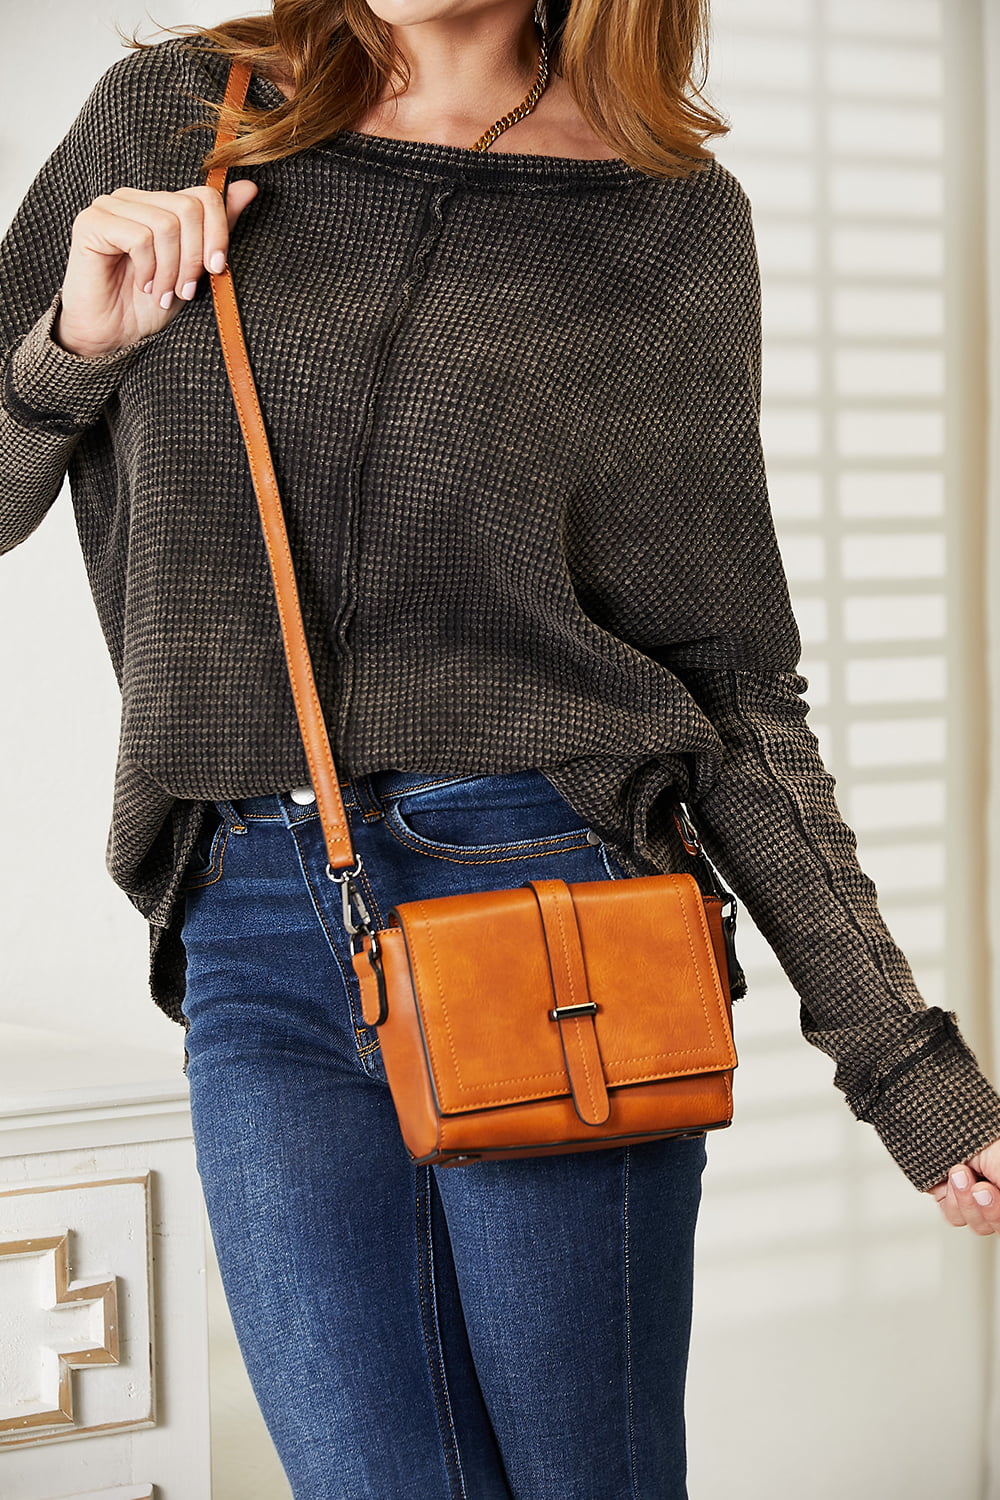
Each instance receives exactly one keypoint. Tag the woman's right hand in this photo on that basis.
(136, 257)
(970, 1194)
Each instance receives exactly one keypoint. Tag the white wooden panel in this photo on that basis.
(126, 1492)
(111, 1164)
(75, 1318)
(838, 1308)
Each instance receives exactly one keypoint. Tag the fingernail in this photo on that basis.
(188, 290)
(960, 1180)
(217, 263)
(148, 287)
(983, 1196)
(166, 300)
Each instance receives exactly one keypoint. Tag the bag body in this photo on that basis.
(553, 1017)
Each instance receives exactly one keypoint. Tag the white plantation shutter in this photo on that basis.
(848, 1320)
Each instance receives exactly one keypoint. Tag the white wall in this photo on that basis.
(73, 948)
(991, 553)
(852, 1327)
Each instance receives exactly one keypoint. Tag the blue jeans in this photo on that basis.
(494, 1330)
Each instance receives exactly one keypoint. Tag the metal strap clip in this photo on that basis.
(356, 917)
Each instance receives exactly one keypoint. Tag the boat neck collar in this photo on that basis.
(433, 159)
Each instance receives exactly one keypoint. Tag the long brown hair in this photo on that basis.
(636, 69)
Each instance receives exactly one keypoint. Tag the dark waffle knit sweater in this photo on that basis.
(513, 402)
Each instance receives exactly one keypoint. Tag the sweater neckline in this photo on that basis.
(434, 159)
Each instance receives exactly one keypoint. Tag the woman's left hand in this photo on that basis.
(970, 1194)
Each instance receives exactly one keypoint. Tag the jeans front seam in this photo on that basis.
(426, 1290)
(626, 1250)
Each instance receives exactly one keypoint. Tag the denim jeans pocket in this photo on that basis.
(479, 818)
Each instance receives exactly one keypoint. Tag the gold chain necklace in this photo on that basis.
(528, 103)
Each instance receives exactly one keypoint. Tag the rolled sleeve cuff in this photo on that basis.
(936, 1112)
(47, 386)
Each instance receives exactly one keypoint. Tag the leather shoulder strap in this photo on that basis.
(315, 738)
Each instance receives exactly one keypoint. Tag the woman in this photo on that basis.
(511, 375)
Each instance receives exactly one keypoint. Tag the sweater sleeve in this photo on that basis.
(770, 819)
(772, 825)
(48, 396)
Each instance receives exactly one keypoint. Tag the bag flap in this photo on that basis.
(483, 989)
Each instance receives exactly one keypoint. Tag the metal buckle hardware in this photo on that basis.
(568, 1012)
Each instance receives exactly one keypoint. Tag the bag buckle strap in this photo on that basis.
(366, 960)
(574, 1010)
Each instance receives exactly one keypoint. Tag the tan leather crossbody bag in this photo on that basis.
(543, 1018)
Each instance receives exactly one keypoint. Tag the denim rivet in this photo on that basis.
(302, 795)
(593, 838)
